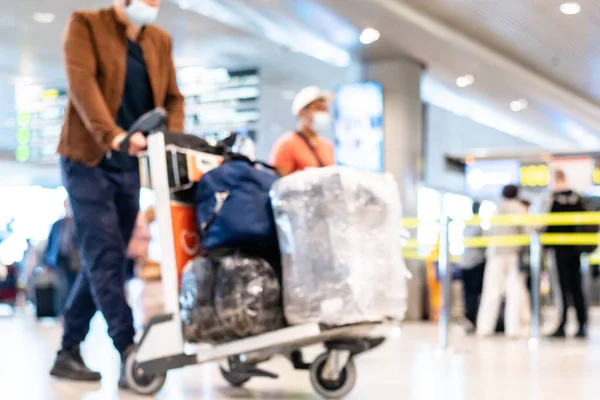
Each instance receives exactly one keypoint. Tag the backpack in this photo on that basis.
(233, 207)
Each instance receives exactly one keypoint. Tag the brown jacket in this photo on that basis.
(95, 49)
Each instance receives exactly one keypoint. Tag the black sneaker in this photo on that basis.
(581, 333)
(558, 334)
(69, 365)
(123, 379)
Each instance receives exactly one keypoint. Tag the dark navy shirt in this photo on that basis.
(137, 100)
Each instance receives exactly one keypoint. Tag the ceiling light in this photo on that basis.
(43, 18)
(518, 105)
(464, 81)
(184, 4)
(570, 8)
(369, 36)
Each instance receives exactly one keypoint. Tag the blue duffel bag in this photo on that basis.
(233, 207)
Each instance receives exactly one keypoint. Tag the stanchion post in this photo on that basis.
(586, 278)
(535, 260)
(445, 275)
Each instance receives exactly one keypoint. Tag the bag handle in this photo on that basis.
(209, 223)
(220, 199)
(312, 148)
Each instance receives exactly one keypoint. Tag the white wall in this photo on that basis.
(448, 133)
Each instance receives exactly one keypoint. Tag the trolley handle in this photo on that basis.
(148, 123)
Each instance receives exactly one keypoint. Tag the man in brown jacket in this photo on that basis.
(118, 67)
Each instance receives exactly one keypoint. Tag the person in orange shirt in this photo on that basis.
(306, 147)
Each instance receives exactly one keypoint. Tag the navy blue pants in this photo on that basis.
(105, 205)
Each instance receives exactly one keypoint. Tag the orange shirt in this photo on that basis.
(291, 153)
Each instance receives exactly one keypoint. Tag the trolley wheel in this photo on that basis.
(229, 374)
(234, 379)
(332, 389)
(145, 385)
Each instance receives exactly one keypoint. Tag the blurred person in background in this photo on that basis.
(473, 267)
(502, 274)
(568, 261)
(30, 260)
(525, 270)
(306, 147)
(29, 257)
(119, 67)
(62, 253)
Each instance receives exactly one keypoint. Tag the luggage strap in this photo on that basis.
(311, 148)
(220, 198)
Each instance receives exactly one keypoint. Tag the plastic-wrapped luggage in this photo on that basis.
(341, 244)
(228, 298)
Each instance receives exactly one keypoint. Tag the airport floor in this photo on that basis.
(406, 367)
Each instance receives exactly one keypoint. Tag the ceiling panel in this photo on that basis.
(533, 32)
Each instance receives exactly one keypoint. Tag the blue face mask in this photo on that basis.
(140, 13)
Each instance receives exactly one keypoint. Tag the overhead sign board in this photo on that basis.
(486, 178)
(358, 125)
(535, 175)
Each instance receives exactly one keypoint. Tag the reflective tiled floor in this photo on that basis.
(407, 367)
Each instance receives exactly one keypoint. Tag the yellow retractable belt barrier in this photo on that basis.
(554, 219)
(570, 239)
(485, 241)
(415, 255)
(411, 223)
(547, 239)
(540, 220)
(411, 244)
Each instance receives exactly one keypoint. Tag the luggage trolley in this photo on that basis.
(161, 345)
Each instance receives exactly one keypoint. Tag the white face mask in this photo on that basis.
(321, 122)
(140, 13)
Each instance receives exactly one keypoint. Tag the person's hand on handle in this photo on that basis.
(137, 143)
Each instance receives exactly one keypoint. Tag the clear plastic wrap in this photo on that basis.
(341, 244)
(228, 298)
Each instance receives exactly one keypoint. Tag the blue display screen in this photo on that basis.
(358, 118)
(486, 178)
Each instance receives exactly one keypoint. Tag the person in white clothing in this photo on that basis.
(502, 276)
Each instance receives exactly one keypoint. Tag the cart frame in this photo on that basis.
(160, 347)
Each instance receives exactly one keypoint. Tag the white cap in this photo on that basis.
(308, 95)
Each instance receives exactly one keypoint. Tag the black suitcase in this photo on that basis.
(46, 293)
(45, 300)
